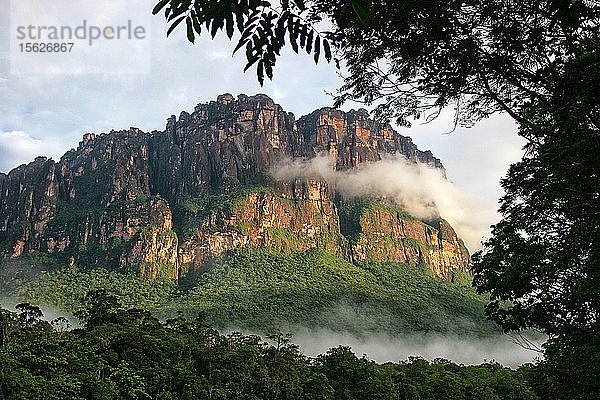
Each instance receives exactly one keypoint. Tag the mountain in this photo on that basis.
(165, 202)
(193, 218)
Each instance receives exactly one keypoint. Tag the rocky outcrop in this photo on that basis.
(381, 233)
(353, 139)
(28, 201)
(223, 144)
(165, 202)
(263, 217)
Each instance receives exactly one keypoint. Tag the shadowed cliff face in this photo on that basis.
(165, 202)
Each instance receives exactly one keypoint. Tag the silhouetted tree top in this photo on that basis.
(411, 58)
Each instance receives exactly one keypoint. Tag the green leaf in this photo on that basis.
(240, 20)
(280, 29)
(303, 35)
(245, 36)
(159, 6)
(294, 43)
(309, 41)
(197, 26)
(362, 13)
(229, 25)
(214, 28)
(260, 73)
(300, 4)
(174, 25)
(269, 70)
(248, 55)
(190, 30)
(177, 8)
(293, 33)
(327, 50)
(251, 55)
(317, 49)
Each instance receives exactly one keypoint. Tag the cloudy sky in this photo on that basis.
(47, 113)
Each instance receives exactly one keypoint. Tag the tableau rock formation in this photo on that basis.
(163, 203)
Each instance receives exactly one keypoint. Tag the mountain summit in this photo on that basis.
(165, 203)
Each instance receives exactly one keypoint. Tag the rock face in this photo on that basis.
(381, 233)
(265, 217)
(353, 139)
(163, 203)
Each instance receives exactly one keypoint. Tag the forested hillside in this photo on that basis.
(129, 354)
(266, 290)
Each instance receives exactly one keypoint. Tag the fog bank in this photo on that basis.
(382, 348)
(379, 347)
(50, 312)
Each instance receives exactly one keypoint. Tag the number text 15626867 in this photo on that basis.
(46, 47)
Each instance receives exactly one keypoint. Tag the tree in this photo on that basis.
(8, 324)
(412, 58)
(102, 307)
(536, 61)
(480, 57)
(544, 256)
(542, 263)
(28, 314)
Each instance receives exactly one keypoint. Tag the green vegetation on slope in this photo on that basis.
(66, 288)
(78, 220)
(265, 290)
(351, 213)
(193, 211)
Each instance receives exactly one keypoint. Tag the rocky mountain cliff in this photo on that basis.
(166, 202)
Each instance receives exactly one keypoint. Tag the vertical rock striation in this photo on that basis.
(163, 203)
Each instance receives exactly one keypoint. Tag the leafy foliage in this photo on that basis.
(570, 369)
(268, 290)
(541, 265)
(263, 28)
(67, 288)
(129, 354)
(193, 211)
(549, 235)
(351, 213)
(481, 57)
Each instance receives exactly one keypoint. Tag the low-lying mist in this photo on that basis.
(419, 189)
(382, 348)
(50, 312)
(363, 330)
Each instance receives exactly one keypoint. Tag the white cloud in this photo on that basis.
(476, 158)
(419, 189)
(383, 348)
(16, 147)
